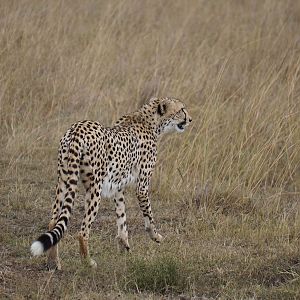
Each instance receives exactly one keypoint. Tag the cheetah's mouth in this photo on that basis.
(180, 127)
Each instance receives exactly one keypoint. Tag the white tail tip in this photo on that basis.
(37, 248)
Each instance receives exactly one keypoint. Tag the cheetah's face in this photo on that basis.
(174, 116)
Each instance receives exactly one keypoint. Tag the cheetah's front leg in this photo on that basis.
(145, 207)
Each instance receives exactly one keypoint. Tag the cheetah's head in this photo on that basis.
(172, 115)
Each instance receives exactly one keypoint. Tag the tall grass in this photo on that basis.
(233, 177)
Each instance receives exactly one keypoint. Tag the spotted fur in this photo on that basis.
(106, 160)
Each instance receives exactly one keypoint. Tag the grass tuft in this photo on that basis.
(159, 275)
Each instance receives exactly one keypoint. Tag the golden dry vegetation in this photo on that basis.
(225, 194)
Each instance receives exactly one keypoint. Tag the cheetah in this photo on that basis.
(106, 160)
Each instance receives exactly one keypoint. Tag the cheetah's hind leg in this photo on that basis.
(53, 262)
(122, 236)
(91, 210)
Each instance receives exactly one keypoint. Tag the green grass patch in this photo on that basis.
(161, 275)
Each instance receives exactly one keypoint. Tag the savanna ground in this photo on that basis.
(225, 194)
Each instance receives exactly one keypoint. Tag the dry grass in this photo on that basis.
(225, 194)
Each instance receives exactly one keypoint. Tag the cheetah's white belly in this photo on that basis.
(110, 188)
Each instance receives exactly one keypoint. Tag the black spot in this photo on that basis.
(63, 219)
(69, 200)
(73, 181)
(68, 208)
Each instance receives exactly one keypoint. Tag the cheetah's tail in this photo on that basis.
(50, 238)
(43, 243)
(53, 236)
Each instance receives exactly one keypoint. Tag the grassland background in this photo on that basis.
(225, 194)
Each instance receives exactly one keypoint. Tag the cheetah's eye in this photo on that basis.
(179, 114)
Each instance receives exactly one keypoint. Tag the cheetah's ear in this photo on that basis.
(162, 108)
